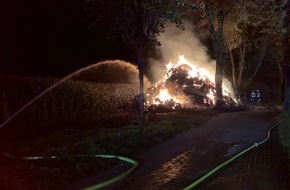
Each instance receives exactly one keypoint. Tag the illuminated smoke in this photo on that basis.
(176, 42)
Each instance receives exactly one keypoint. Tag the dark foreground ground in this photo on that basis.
(177, 163)
(116, 134)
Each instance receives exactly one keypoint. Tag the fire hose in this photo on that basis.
(100, 185)
(135, 165)
(219, 167)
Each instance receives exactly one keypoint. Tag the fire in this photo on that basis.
(165, 96)
(211, 97)
(194, 71)
(185, 85)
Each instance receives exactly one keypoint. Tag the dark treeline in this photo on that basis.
(51, 37)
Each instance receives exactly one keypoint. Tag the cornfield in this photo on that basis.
(71, 101)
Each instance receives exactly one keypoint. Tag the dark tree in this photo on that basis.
(138, 23)
(253, 27)
(286, 24)
(216, 12)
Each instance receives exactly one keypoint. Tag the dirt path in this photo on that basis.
(180, 161)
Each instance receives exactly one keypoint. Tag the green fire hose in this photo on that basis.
(98, 185)
(210, 173)
(117, 178)
(120, 177)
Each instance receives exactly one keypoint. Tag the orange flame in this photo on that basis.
(192, 72)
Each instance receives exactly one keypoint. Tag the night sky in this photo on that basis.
(51, 37)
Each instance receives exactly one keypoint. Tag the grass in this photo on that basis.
(76, 118)
(54, 124)
(284, 130)
(68, 144)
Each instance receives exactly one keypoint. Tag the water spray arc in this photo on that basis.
(103, 66)
(129, 160)
(43, 93)
(122, 158)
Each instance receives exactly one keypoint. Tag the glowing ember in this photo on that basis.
(185, 85)
(165, 96)
(211, 97)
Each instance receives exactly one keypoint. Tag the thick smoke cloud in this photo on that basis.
(176, 42)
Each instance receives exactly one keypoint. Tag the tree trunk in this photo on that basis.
(241, 65)
(141, 86)
(233, 70)
(286, 75)
(261, 55)
(286, 56)
(281, 83)
(140, 65)
(219, 45)
(287, 89)
(221, 50)
(219, 81)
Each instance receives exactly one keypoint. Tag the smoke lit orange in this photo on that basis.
(184, 85)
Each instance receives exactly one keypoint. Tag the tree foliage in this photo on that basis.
(241, 31)
(138, 23)
(123, 15)
(250, 27)
(216, 12)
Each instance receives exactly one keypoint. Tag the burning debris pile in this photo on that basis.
(185, 86)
